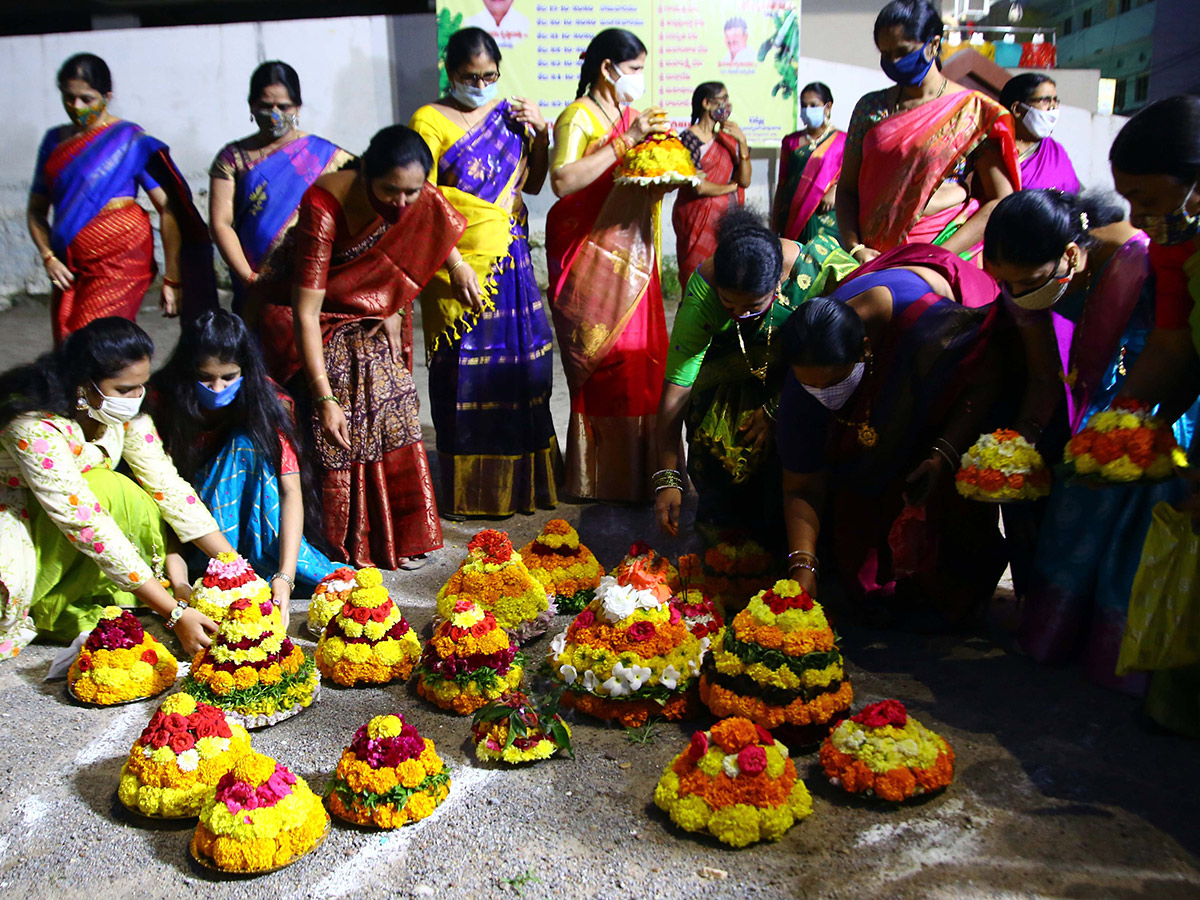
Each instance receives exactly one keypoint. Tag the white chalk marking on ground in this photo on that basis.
(4, 842)
(115, 737)
(350, 876)
(33, 808)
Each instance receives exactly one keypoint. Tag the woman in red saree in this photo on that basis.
(99, 250)
(366, 243)
(719, 149)
(602, 246)
(927, 160)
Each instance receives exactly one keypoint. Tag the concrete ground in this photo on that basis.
(1059, 792)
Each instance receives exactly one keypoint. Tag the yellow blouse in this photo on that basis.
(576, 131)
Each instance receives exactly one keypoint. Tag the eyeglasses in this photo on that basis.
(1043, 102)
(479, 80)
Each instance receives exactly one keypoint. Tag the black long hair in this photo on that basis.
(748, 255)
(86, 67)
(466, 44)
(1162, 139)
(1031, 228)
(823, 332)
(258, 411)
(704, 91)
(616, 44)
(920, 19)
(1020, 88)
(271, 73)
(51, 383)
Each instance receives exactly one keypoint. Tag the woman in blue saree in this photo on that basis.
(226, 424)
(486, 333)
(255, 188)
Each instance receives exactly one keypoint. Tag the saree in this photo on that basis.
(805, 172)
(602, 246)
(1048, 166)
(378, 496)
(907, 155)
(101, 233)
(695, 218)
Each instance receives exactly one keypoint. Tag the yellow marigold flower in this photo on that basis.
(111, 612)
(254, 768)
(384, 726)
(368, 578)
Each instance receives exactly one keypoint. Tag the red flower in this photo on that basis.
(240, 603)
(752, 759)
(149, 656)
(640, 548)
(482, 627)
(160, 739)
(885, 712)
(585, 618)
(175, 723)
(223, 729)
(698, 747)
(361, 615)
(205, 728)
(85, 663)
(641, 631)
(496, 546)
(265, 607)
(765, 736)
(181, 742)
(382, 611)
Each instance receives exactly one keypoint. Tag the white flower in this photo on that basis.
(693, 667)
(669, 678)
(730, 767)
(188, 760)
(855, 738)
(908, 747)
(618, 602)
(705, 643)
(646, 600)
(568, 673)
(590, 680)
(559, 644)
(636, 676)
(612, 688)
(147, 751)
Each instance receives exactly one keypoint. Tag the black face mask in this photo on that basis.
(387, 211)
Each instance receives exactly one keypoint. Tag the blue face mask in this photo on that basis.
(909, 69)
(211, 400)
(474, 97)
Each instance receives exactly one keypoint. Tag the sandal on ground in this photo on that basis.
(412, 563)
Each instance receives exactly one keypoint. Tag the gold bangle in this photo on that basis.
(328, 398)
(856, 248)
(47, 255)
(461, 261)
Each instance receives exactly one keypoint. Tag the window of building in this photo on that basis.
(1141, 88)
(1087, 18)
(1119, 95)
(1067, 25)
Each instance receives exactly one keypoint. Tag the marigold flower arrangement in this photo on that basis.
(885, 752)
(120, 662)
(732, 571)
(659, 159)
(735, 782)
(494, 577)
(228, 577)
(331, 594)
(564, 566)
(512, 730)
(368, 641)
(629, 656)
(179, 758)
(389, 776)
(259, 818)
(469, 661)
(1002, 466)
(253, 671)
(777, 663)
(649, 564)
(701, 615)
(1125, 443)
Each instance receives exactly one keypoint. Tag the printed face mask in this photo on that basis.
(276, 123)
(835, 395)
(1045, 296)
(813, 116)
(1040, 122)
(87, 116)
(115, 411)
(1173, 228)
(629, 87)
(211, 400)
(909, 69)
(474, 97)
(721, 113)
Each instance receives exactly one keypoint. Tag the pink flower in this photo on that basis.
(585, 618)
(98, 546)
(83, 513)
(47, 463)
(41, 445)
(191, 499)
(698, 746)
(752, 759)
(642, 631)
(149, 439)
(675, 616)
(87, 534)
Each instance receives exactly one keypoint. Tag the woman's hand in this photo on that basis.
(60, 276)
(393, 332)
(734, 130)
(465, 284)
(169, 304)
(653, 121)
(864, 255)
(757, 428)
(667, 503)
(281, 596)
(194, 630)
(334, 425)
(527, 113)
(923, 480)
(828, 199)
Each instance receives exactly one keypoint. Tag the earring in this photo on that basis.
(81, 401)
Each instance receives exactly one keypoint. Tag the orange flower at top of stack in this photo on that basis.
(649, 564)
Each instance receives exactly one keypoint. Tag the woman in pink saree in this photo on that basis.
(810, 165)
(927, 160)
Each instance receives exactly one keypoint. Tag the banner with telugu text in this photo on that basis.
(749, 45)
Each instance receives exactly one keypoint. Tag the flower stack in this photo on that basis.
(734, 570)
(120, 662)
(660, 159)
(564, 566)
(701, 615)
(227, 578)
(260, 817)
(628, 656)
(331, 594)
(649, 564)
(777, 664)
(494, 577)
(253, 671)
(513, 730)
(180, 756)
(1125, 443)
(368, 641)
(885, 752)
(469, 661)
(389, 776)
(735, 782)
(1002, 466)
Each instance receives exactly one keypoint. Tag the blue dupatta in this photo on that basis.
(483, 162)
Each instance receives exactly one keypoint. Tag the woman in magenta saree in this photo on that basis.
(810, 166)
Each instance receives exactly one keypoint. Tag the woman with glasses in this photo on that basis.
(1032, 100)
(720, 151)
(810, 165)
(255, 186)
(486, 333)
(76, 535)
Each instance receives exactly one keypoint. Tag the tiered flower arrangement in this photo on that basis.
(494, 577)
(659, 159)
(628, 656)
(777, 663)
(368, 641)
(733, 570)
(120, 662)
(649, 565)
(513, 730)
(331, 594)
(469, 661)
(253, 671)
(179, 758)
(1125, 443)
(701, 615)
(735, 782)
(885, 752)
(389, 776)
(1002, 466)
(260, 817)
(564, 566)
(227, 578)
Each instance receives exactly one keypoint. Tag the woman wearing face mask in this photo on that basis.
(490, 373)
(1032, 100)
(255, 186)
(229, 430)
(604, 291)
(720, 151)
(75, 534)
(928, 159)
(99, 252)
(890, 378)
(366, 243)
(724, 371)
(810, 164)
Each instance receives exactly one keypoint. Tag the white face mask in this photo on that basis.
(474, 97)
(1045, 296)
(813, 116)
(115, 411)
(1040, 122)
(629, 87)
(835, 395)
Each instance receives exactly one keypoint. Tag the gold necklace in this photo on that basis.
(759, 372)
(599, 106)
(940, 91)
